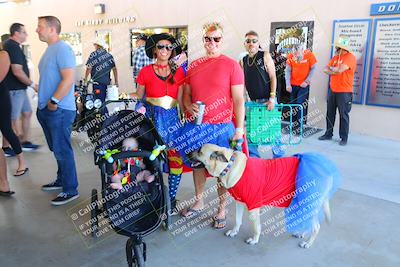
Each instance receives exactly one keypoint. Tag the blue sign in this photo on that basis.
(358, 31)
(385, 9)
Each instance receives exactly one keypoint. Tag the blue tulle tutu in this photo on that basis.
(166, 122)
(193, 137)
(317, 179)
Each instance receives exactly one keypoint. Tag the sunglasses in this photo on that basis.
(216, 39)
(248, 41)
(168, 47)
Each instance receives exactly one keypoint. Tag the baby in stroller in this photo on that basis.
(132, 170)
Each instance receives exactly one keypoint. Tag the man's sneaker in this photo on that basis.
(325, 137)
(63, 198)
(343, 142)
(8, 152)
(51, 186)
(28, 146)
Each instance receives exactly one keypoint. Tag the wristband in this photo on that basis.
(32, 85)
(239, 131)
(54, 100)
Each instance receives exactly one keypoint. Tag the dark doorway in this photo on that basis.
(283, 36)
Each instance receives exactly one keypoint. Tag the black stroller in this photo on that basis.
(138, 209)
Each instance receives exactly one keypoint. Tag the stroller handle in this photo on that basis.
(127, 101)
(132, 154)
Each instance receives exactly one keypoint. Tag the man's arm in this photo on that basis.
(330, 70)
(20, 74)
(87, 73)
(270, 66)
(311, 73)
(307, 81)
(238, 110)
(245, 93)
(192, 108)
(67, 80)
(115, 73)
(288, 77)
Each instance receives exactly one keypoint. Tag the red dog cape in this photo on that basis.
(267, 182)
(301, 184)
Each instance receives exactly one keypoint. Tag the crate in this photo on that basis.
(263, 127)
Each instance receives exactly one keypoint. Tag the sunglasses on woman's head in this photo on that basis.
(248, 41)
(216, 39)
(168, 47)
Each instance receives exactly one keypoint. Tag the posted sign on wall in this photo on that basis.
(358, 31)
(384, 85)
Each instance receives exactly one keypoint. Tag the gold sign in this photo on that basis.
(110, 21)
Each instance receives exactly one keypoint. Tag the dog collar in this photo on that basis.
(228, 167)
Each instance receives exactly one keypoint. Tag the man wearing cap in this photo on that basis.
(300, 67)
(140, 59)
(99, 66)
(341, 69)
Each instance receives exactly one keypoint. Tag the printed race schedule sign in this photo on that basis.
(384, 85)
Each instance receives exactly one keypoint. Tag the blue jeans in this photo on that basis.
(299, 95)
(57, 130)
(276, 148)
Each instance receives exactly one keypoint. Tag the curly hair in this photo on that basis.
(212, 26)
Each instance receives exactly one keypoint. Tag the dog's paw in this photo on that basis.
(251, 241)
(232, 233)
(299, 235)
(305, 244)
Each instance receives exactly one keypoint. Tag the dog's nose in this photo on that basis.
(193, 155)
(194, 162)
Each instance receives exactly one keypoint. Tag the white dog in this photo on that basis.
(280, 182)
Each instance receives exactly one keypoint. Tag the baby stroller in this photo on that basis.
(139, 208)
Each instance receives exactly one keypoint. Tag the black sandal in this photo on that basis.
(219, 224)
(7, 193)
(21, 172)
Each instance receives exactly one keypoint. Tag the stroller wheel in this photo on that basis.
(93, 213)
(138, 255)
(166, 217)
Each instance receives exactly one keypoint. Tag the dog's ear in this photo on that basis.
(218, 156)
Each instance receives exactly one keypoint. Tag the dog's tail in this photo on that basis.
(327, 211)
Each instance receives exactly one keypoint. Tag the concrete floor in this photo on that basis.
(364, 229)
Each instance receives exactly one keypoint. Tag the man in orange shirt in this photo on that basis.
(341, 68)
(300, 67)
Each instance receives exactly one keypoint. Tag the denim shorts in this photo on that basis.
(19, 103)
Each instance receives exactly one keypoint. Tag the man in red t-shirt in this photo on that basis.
(300, 68)
(218, 82)
(341, 69)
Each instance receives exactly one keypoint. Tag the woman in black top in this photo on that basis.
(5, 117)
(4, 186)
